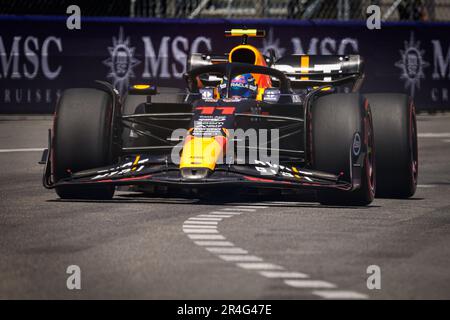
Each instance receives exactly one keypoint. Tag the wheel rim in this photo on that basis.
(414, 148)
(370, 157)
(370, 163)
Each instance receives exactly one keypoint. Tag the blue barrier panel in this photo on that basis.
(40, 57)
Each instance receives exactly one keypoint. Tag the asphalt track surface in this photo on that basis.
(255, 247)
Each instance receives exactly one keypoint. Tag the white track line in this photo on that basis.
(240, 257)
(22, 150)
(337, 294)
(252, 207)
(189, 230)
(226, 212)
(214, 216)
(198, 226)
(214, 243)
(426, 186)
(308, 284)
(282, 274)
(201, 222)
(239, 209)
(221, 250)
(434, 135)
(202, 229)
(206, 237)
(205, 219)
(259, 266)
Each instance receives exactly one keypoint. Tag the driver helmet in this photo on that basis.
(242, 86)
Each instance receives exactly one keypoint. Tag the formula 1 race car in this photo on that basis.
(246, 121)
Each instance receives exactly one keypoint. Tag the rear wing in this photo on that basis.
(310, 70)
(302, 70)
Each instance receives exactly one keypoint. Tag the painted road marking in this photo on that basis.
(309, 284)
(214, 216)
(330, 294)
(209, 237)
(227, 212)
(259, 266)
(239, 257)
(201, 222)
(205, 219)
(434, 135)
(252, 207)
(426, 186)
(189, 230)
(196, 226)
(22, 150)
(282, 274)
(214, 243)
(206, 237)
(221, 250)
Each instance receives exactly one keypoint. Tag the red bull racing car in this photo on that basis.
(244, 120)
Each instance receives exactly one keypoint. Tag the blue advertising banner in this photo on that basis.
(40, 57)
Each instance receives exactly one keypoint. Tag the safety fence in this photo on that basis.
(392, 10)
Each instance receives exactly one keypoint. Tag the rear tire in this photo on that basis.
(336, 120)
(82, 140)
(394, 121)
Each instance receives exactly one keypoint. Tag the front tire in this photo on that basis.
(394, 121)
(82, 140)
(336, 120)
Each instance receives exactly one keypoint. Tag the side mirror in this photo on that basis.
(143, 89)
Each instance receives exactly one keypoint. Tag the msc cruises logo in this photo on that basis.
(121, 62)
(270, 43)
(412, 64)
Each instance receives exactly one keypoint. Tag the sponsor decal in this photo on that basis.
(266, 168)
(441, 72)
(356, 146)
(29, 72)
(121, 62)
(232, 99)
(207, 93)
(412, 65)
(126, 168)
(269, 43)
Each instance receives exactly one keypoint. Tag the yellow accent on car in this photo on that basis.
(260, 95)
(141, 86)
(323, 89)
(136, 161)
(258, 56)
(201, 152)
(304, 66)
(241, 32)
(245, 32)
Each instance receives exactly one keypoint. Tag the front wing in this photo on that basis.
(261, 175)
